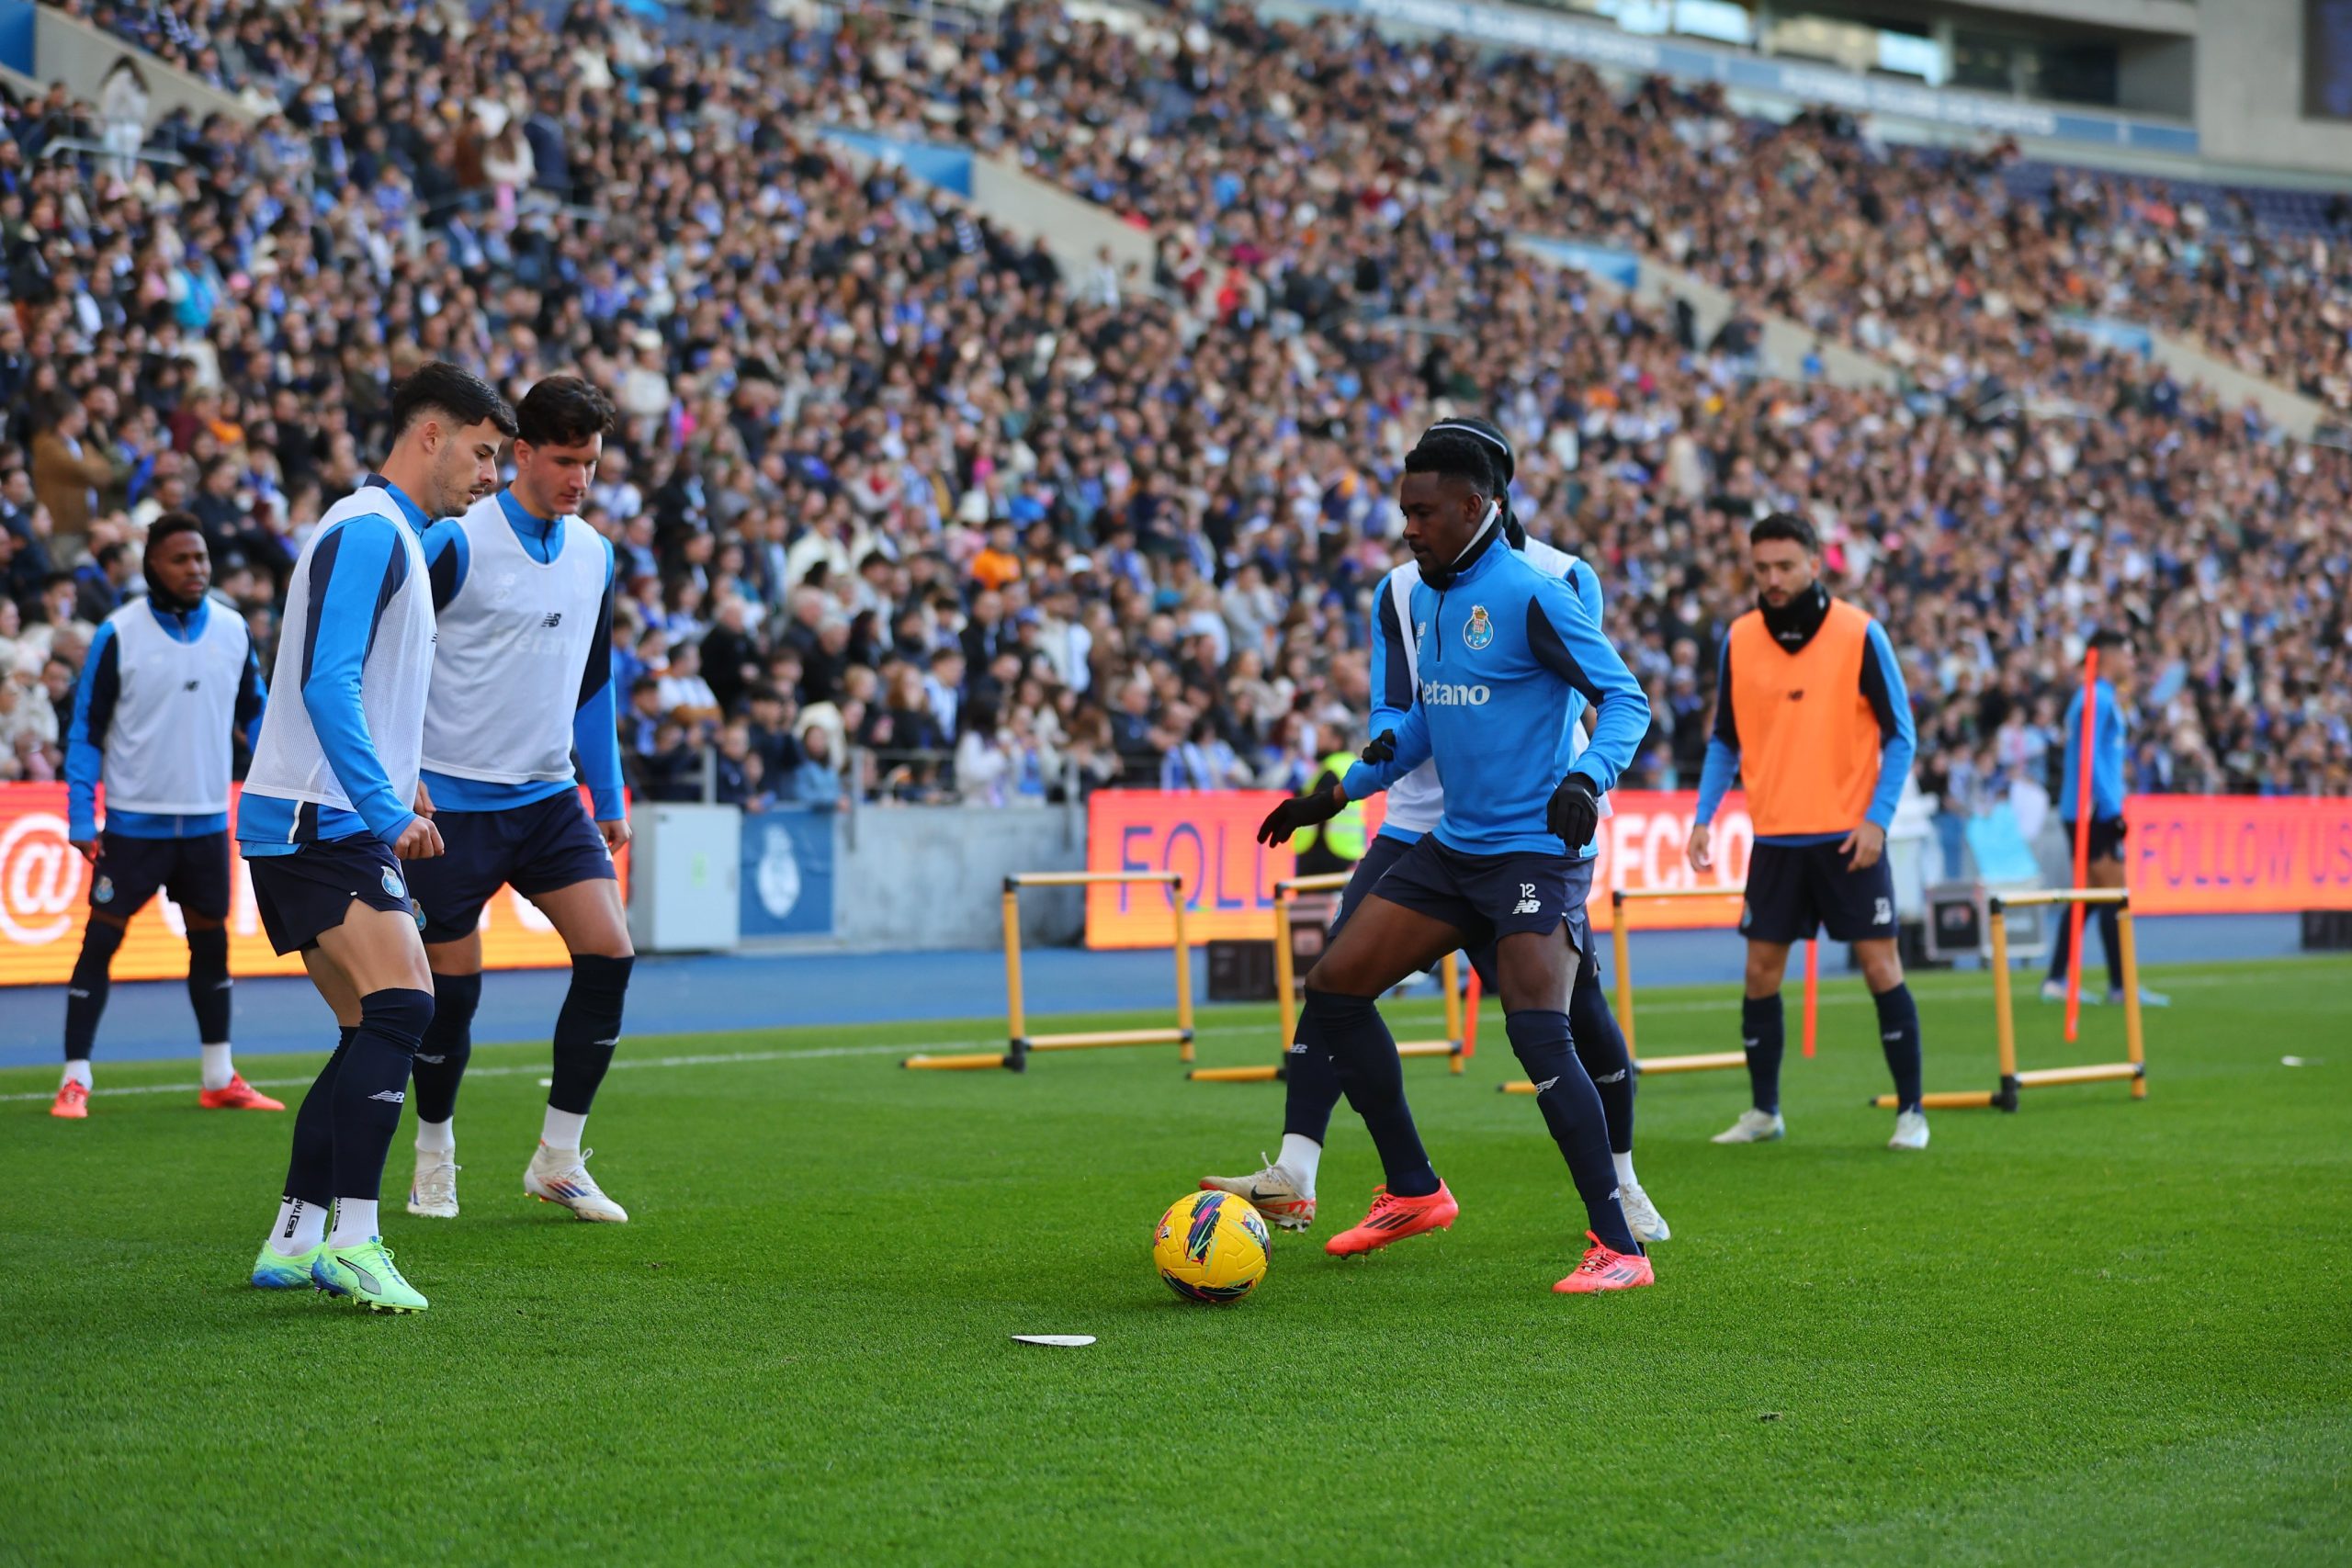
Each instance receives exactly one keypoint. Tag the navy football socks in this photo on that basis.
(1571, 1107)
(370, 1087)
(1898, 1031)
(588, 1029)
(448, 1046)
(1363, 1057)
(1760, 1031)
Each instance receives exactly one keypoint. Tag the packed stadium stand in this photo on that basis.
(909, 509)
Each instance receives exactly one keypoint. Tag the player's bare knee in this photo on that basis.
(1881, 964)
(1766, 967)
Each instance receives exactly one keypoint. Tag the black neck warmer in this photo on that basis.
(1794, 624)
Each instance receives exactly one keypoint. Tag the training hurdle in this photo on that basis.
(1286, 892)
(2004, 1032)
(1019, 1042)
(1620, 950)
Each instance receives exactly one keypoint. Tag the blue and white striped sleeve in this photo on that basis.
(595, 723)
(85, 737)
(448, 555)
(353, 575)
(1568, 642)
(1898, 739)
(1392, 669)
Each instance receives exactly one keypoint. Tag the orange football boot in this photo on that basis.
(238, 1096)
(1603, 1270)
(1393, 1219)
(72, 1102)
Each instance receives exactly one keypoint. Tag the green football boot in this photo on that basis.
(366, 1274)
(273, 1270)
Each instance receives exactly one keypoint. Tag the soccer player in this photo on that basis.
(1284, 1190)
(1501, 648)
(522, 678)
(1810, 711)
(2117, 668)
(333, 807)
(169, 683)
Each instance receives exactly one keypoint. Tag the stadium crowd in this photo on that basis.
(891, 487)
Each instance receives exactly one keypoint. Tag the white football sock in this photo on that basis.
(217, 1069)
(1299, 1158)
(76, 1072)
(436, 1137)
(1624, 1163)
(301, 1226)
(354, 1222)
(561, 1130)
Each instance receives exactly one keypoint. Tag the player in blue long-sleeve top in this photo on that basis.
(522, 684)
(1503, 650)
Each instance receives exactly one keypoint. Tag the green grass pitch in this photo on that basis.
(2094, 1331)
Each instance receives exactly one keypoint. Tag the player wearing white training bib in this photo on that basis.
(522, 681)
(1284, 1190)
(168, 680)
(332, 808)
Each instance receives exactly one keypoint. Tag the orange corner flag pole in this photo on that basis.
(1812, 991)
(2082, 842)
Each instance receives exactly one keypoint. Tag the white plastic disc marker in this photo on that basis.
(1066, 1340)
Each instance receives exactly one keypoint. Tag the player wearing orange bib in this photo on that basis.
(1811, 714)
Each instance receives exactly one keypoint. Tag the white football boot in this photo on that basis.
(433, 1194)
(1754, 1126)
(560, 1176)
(1271, 1193)
(1910, 1131)
(1648, 1224)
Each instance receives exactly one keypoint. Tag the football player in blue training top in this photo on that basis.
(1501, 649)
(1284, 1190)
(332, 808)
(522, 680)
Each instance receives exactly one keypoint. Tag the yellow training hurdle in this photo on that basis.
(1286, 892)
(1019, 1042)
(2135, 1067)
(1621, 951)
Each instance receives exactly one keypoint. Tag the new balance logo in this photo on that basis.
(1544, 1088)
(1617, 1076)
(1891, 1036)
(554, 618)
(390, 1095)
(191, 685)
(431, 1061)
(1527, 906)
(1797, 695)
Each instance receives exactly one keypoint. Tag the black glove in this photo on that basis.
(1574, 812)
(1299, 811)
(1383, 746)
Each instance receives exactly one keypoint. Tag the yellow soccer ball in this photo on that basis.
(1211, 1246)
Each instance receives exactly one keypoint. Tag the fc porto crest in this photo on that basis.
(393, 884)
(1478, 630)
(102, 890)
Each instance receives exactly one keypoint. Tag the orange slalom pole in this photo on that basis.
(2082, 842)
(1470, 1016)
(1812, 991)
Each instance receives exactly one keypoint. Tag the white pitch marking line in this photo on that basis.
(734, 1058)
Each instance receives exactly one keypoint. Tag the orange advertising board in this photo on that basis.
(2237, 854)
(1211, 840)
(45, 899)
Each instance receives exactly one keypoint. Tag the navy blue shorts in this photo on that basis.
(1794, 890)
(533, 849)
(195, 872)
(1487, 897)
(2107, 838)
(310, 891)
